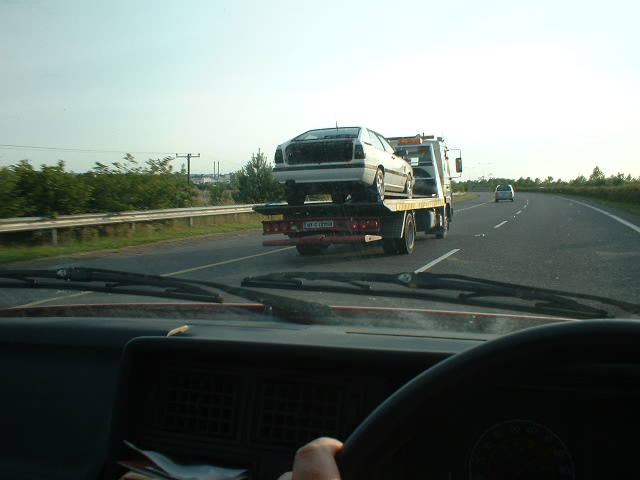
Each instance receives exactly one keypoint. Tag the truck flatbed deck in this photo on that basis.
(388, 205)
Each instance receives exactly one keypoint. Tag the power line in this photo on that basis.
(79, 150)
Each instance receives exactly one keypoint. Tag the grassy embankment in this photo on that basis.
(73, 241)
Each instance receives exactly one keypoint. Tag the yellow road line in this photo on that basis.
(224, 263)
(64, 297)
(40, 302)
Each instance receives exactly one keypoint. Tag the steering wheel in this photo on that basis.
(518, 354)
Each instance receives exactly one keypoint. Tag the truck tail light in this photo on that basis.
(365, 224)
(276, 227)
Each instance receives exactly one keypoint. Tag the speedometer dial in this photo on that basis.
(520, 449)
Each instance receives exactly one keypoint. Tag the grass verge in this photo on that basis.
(9, 254)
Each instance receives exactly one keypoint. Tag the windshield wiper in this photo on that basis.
(471, 291)
(127, 283)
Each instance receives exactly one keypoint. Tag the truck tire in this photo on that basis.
(408, 240)
(404, 245)
(444, 222)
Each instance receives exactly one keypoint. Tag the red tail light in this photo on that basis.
(275, 227)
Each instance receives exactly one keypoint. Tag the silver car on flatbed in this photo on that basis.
(353, 163)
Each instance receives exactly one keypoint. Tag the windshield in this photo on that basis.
(153, 141)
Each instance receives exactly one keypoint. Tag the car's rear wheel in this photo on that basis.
(408, 186)
(377, 189)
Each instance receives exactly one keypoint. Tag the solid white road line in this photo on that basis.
(618, 219)
(436, 261)
(469, 208)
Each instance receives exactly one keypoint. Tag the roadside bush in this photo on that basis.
(50, 191)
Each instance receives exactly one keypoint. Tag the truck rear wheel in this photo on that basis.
(404, 245)
(444, 223)
(408, 240)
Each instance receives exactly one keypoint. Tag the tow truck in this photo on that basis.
(393, 221)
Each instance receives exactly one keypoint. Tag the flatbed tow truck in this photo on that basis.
(393, 221)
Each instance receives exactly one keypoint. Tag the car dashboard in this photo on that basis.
(248, 396)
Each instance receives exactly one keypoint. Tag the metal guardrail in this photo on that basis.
(28, 224)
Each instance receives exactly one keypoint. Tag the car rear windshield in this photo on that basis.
(502, 188)
(343, 132)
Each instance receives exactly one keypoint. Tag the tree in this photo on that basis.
(11, 204)
(220, 194)
(597, 177)
(129, 186)
(50, 191)
(255, 182)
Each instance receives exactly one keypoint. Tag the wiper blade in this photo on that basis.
(472, 291)
(112, 282)
(127, 283)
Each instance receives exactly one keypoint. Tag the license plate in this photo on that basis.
(318, 224)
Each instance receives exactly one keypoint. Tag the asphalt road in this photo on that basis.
(538, 240)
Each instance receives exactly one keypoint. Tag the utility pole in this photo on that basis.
(188, 156)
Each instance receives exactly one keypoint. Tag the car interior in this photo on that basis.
(244, 394)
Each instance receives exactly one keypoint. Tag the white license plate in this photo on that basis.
(318, 224)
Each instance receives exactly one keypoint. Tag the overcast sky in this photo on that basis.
(544, 88)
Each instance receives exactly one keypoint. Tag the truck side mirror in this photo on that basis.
(459, 165)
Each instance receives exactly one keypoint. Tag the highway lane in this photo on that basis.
(538, 240)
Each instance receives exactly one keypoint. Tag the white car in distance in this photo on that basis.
(350, 163)
(504, 192)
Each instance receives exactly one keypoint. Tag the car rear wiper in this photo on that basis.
(471, 291)
(127, 283)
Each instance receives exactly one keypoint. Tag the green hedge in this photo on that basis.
(51, 191)
(628, 193)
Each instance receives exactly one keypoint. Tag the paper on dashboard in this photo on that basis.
(177, 471)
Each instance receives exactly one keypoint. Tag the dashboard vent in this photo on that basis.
(293, 414)
(205, 405)
(193, 403)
